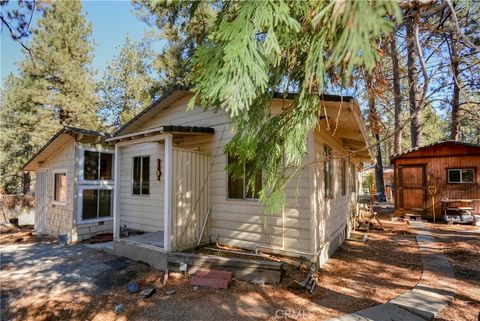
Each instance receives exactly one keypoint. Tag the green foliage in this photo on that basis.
(258, 47)
(126, 87)
(181, 26)
(52, 90)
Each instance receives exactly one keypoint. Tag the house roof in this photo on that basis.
(45, 150)
(182, 90)
(412, 151)
(174, 129)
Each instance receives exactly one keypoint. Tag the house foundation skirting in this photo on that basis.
(329, 247)
(156, 257)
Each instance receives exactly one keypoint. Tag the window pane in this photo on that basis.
(136, 175)
(327, 170)
(106, 161)
(344, 177)
(145, 175)
(90, 200)
(105, 203)
(235, 184)
(90, 166)
(60, 188)
(468, 175)
(249, 168)
(454, 175)
(353, 179)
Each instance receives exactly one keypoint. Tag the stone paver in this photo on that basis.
(424, 301)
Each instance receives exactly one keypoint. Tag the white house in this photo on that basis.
(172, 186)
(74, 184)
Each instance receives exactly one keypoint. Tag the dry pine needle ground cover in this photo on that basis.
(358, 276)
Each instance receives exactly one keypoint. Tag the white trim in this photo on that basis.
(167, 202)
(147, 139)
(81, 163)
(80, 220)
(60, 171)
(116, 194)
(461, 175)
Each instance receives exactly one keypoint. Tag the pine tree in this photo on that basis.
(61, 79)
(181, 26)
(52, 90)
(126, 87)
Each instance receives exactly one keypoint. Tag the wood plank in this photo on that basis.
(195, 259)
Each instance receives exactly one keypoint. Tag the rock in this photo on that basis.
(170, 292)
(147, 292)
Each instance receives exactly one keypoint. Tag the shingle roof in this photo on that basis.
(67, 130)
(432, 145)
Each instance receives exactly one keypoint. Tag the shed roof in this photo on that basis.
(56, 139)
(456, 148)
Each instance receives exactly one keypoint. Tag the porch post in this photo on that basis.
(116, 194)
(167, 202)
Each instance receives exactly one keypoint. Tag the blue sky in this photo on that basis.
(111, 21)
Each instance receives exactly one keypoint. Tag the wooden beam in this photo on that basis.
(167, 202)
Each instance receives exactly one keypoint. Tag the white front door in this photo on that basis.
(41, 202)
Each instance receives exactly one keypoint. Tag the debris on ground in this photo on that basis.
(118, 308)
(132, 287)
(147, 292)
(170, 292)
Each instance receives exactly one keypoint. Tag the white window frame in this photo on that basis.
(141, 176)
(80, 219)
(244, 199)
(461, 175)
(81, 165)
(60, 171)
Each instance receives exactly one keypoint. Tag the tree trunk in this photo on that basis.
(397, 140)
(455, 129)
(26, 182)
(413, 90)
(375, 128)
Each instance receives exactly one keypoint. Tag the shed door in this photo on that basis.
(41, 202)
(412, 187)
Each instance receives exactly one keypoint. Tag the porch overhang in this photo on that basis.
(174, 130)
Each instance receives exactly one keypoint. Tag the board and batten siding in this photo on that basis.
(239, 222)
(60, 217)
(190, 194)
(141, 212)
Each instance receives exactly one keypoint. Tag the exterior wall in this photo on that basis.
(240, 222)
(332, 216)
(60, 217)
(141, 212)
(436, 173)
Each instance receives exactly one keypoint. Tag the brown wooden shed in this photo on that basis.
(451, 166)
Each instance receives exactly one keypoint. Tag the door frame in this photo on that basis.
(400, 188)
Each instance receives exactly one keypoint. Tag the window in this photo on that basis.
(60, 187)
(96, 203)
(238, 187)
(344, 177)
(97, 165)
(461, 175)
(353, 179)
(328, 171)
(141, 175)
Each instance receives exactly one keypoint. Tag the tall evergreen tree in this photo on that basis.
(181, 26)
(52, 90)
(60, 74)
(126, 87)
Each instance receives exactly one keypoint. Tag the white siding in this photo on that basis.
(240, 222)
(60, 217)
(141, 212)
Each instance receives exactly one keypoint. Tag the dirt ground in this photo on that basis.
(358, 276)
(461, 245)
